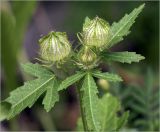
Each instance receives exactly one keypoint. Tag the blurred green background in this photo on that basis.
(23, 23)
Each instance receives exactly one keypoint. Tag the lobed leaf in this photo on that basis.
(121, 29)
(107, 76)
(108, 107)
(4, 110)
(71, 80)
(51, 96)
(36, 70)
(26, 95)
(124, 57)
(122, 120)
(89, 102)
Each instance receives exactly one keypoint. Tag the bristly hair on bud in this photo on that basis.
(54, 47)
(87, 58)
(95, 32)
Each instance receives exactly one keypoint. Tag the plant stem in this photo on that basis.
(82, 110)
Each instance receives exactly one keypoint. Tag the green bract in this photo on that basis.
(87, 57)
(54, 46)
(95, 32)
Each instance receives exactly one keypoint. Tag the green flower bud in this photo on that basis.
(86, 56)
(104, 84)
(95, 32)
(54, 46)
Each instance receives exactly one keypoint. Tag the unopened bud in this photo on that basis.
(95, 32)
(87, 56)
(104, 84)
(54, 46)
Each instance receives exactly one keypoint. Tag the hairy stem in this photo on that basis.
(84, 121)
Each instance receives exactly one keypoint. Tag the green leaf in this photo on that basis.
(124, 57)
(144, 103)
(108, 107)
(51, 96)
(70, 80)
(89, 102)
(4, 110)
(26, 95)
(107, 76)
(79, 125)
(138, 108)
(122, 120)
(121, 29)
(36, 70)
(140, 99)
(86, 22)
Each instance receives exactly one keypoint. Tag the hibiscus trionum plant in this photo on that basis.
(80, 67)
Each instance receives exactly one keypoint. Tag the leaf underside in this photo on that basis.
(123, 57)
